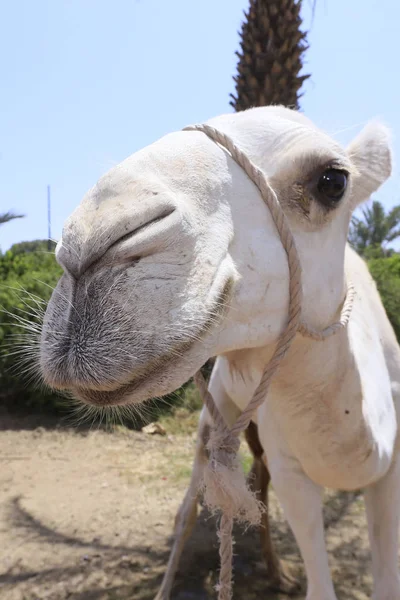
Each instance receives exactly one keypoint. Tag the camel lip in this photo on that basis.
(103, 399)
(123, 394)
(114, 397)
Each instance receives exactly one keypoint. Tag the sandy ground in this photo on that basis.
(88, 516)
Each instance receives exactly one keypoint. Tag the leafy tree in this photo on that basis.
(369, 234)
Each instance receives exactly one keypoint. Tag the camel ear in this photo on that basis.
(371, 154)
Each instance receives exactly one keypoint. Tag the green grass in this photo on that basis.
(246, 459)
(183, 419)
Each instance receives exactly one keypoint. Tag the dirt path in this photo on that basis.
(89, 517)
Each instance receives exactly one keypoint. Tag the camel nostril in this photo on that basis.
(166, 213)
(77, 256)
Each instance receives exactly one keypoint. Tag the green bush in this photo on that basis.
(386, 272)
(26, 282)
(33, 246)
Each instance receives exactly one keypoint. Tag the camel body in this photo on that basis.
(334, 402)
(173, 258)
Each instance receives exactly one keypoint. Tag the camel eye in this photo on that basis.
(332, 186)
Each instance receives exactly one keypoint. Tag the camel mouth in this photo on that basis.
(151, 381)
(101, 398)
(125, 393)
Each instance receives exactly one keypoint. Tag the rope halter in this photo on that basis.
(224, 485)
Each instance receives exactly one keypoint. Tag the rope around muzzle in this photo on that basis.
(224, 486)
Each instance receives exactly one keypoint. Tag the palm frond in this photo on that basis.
(9, 216)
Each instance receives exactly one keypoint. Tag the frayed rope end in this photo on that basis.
(224, 485)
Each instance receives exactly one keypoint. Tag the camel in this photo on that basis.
(173, 258)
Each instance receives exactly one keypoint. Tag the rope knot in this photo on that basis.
(223, 447)
(224, 485)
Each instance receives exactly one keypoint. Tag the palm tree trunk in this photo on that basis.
(271, 56)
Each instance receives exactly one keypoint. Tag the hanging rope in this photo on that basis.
(224, 486)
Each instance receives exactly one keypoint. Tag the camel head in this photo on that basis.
(173, 257)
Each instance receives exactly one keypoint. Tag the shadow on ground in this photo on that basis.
(25, 421)
(121, 572)
(29, 421)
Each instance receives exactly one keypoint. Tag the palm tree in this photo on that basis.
(9, 216)
(374, 229)
(271, 56)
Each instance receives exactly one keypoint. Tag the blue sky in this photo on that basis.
(85, 83)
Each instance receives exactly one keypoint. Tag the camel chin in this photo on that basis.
(155, 382)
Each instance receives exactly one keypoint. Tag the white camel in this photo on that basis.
(173, 258)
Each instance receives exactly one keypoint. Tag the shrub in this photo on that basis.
(26, 282)
(386, 272)
(33, 246)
